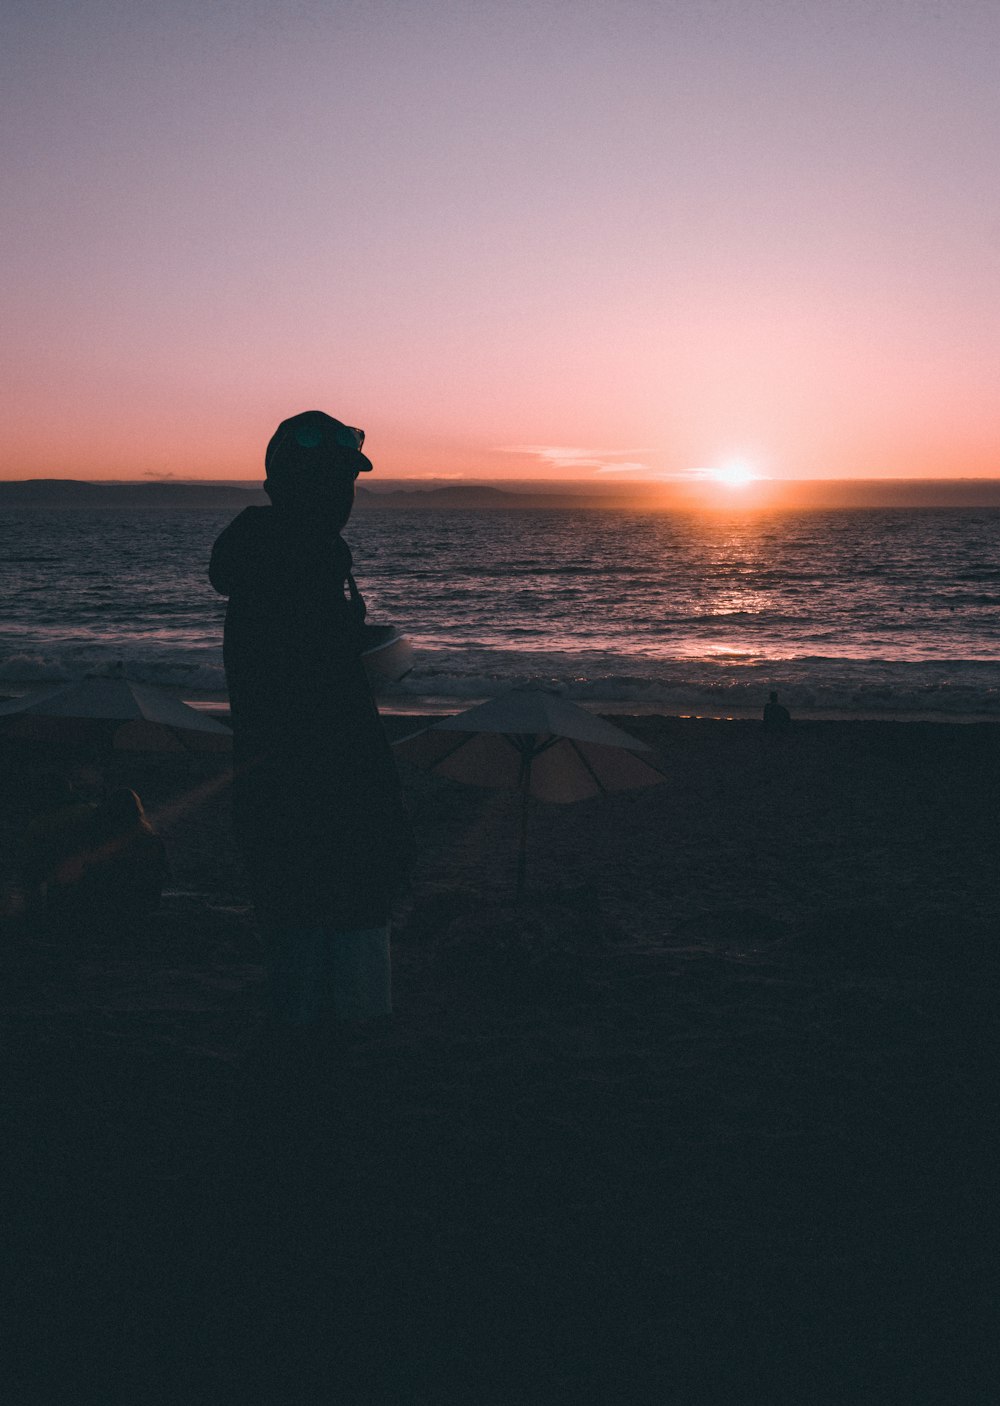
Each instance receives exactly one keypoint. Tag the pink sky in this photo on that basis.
(509, 239)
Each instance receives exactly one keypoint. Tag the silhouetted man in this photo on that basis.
(777, 718)
(318, 808)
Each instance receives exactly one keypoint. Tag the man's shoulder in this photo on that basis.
(240, 548)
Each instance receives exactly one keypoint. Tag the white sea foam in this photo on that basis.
(872, 686)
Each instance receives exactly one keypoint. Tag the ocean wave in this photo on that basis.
(32, 668)
(816, 684)
(731, 680)
(887, 612)
(166, 669)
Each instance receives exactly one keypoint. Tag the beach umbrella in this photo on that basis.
(534, 742)
(113, 712)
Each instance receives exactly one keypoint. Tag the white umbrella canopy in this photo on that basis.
(136, 717)
(537, 743)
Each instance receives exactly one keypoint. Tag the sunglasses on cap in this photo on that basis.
(349, 438)
(311, 436)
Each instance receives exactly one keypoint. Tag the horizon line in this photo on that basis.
(520, 485)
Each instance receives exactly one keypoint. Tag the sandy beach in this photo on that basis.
(710, 1116)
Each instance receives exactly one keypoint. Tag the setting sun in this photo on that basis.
(735, 474)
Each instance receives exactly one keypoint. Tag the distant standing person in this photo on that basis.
(777, 718)
(318, 808)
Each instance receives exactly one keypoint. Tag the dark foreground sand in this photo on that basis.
(711, 1118)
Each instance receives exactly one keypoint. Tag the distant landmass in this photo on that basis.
(75, 493)
(475, 496)
(777, 493)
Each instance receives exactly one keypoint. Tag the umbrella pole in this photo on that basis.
(522, 853)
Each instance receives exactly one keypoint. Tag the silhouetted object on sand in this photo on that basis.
(537, 743)
(103, 876)
(317, 804)
(777, 719)
(57, 831)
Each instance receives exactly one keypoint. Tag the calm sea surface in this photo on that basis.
(894, 611)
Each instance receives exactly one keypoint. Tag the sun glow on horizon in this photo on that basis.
(734, 474)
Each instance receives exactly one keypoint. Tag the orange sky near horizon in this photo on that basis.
(510, 241)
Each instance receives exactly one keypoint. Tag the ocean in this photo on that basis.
(873, 612)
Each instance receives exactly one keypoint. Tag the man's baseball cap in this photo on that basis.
(314, 442)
